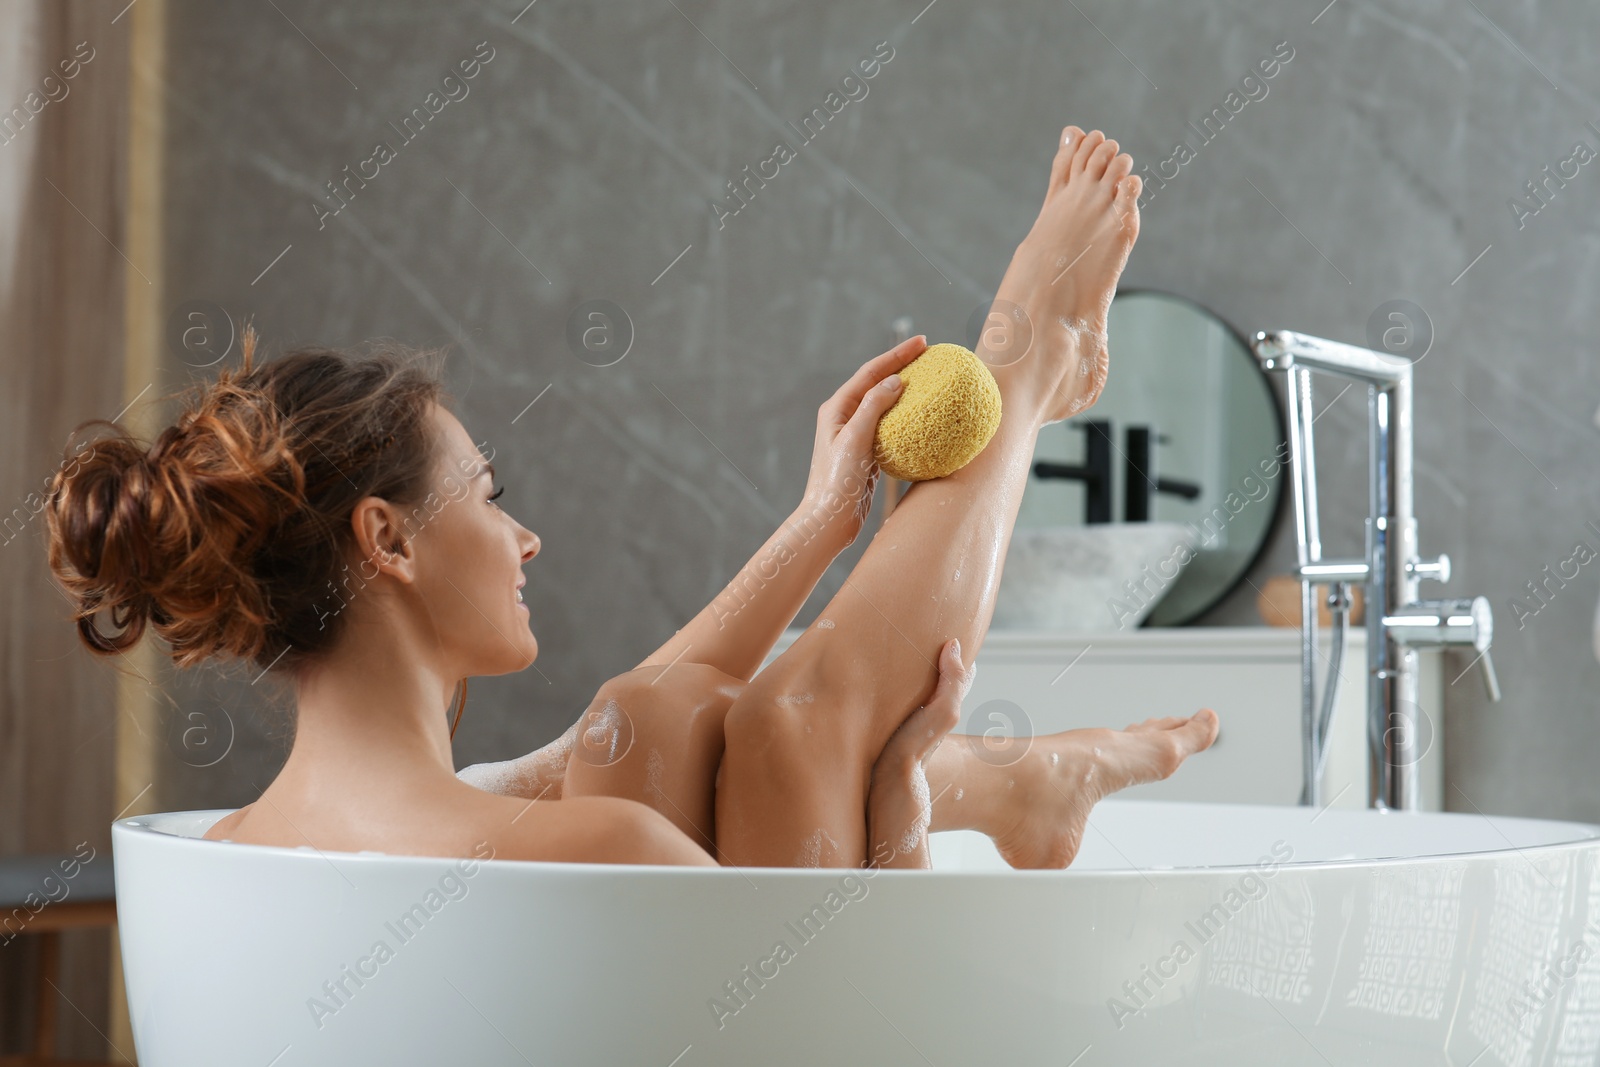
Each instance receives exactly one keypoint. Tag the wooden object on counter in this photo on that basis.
(1279, 603)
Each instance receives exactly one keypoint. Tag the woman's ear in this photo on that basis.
(383, 545)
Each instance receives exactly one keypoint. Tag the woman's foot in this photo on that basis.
(1064, 775)
(1062, 278)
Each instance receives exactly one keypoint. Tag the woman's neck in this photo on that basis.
(370, 713)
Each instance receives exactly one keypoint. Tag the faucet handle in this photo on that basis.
(1445, 623)
(1436, 569)
(1441, 623)
(1491, 682)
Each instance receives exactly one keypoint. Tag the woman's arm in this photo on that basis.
(899, 804)
(536, 776)
(736, 631)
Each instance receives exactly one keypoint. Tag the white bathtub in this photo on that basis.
(1169, 941)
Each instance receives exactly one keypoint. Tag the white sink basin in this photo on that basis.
(1077, 578)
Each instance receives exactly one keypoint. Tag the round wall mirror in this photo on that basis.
(1151, 506)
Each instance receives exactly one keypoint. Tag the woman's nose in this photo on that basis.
(530, 546)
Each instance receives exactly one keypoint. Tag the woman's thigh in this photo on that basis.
(655, 735)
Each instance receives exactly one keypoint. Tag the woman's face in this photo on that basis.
(469, 555)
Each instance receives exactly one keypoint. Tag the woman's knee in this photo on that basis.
(684, 699)
(786, 715)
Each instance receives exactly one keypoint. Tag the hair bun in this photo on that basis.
(95, 549)
(166, 536)
(229, 533)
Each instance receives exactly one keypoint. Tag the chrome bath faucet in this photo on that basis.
(1397, 622)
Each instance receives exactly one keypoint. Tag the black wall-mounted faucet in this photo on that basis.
(1094, 472)
(1140, 484)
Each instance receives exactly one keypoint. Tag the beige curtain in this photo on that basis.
(63, 210)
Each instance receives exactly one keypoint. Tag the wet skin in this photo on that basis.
(823, 758)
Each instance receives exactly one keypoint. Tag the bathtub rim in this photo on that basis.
(136, 824)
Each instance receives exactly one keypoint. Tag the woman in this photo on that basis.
(330, 519)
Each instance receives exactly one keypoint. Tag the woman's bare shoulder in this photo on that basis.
(591, 829)
(224, 827)
(588, 829)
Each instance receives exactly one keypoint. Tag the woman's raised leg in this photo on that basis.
(803, 736)
(655, 735)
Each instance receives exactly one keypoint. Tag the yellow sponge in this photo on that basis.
(948, 410)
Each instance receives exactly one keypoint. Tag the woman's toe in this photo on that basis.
(1101, 158)
(1126, 204)
(1086, 148)
(1071, 138)
(1127, 194)
(1119, 168)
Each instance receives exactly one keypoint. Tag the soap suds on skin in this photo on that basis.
(960, 792)
(795, 698)
(811, 848)
(555, 765)
(919, 825)
(604, 733)
(530, 776)
(811, 851)
(824, 624)
(502, 778)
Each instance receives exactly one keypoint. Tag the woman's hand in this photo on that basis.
(844, 470)
(898, 806)
(769, 590)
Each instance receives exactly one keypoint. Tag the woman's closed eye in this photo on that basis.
(496, 495)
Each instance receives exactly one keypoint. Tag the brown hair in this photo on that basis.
(228, 536)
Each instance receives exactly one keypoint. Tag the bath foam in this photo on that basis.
(948, 410)
(919, 790)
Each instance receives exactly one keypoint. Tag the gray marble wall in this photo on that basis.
(584, 162)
